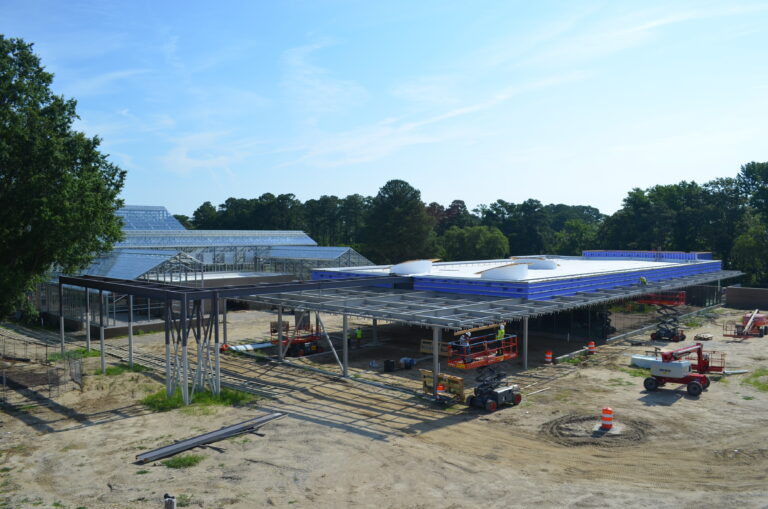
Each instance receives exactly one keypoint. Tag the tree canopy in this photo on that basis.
(726, 216)
(58, 191)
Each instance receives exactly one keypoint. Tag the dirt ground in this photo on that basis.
(345, 444)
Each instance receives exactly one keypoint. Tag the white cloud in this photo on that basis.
(102, 83)
(213, 151)
(373, 142)
(314, 89)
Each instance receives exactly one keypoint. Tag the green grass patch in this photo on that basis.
(639, 372)
(142, 472)
(161, 402)
(618, 382)
(78, 353)
(758, 379)
(123, 368)
(693, 322)
(748, 398)
(185, 461)
(575, 360)
(184, 500)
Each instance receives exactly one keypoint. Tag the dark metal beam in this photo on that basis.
(156, 290)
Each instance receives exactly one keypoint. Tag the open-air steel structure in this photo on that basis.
(194, 312)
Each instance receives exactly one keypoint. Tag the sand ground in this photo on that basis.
(345, 444)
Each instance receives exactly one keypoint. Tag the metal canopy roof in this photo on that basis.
(158, 290)
(359, 297)
(455, 311)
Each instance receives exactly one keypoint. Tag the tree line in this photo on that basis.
(726, 216)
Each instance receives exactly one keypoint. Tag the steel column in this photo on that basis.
(435, 358)
(184, 356)
(280, 352)
(168, 325)
(61, 318)
(217, 366)
(375, 332)
(87, 320)
(101, 331)
(130, 331)
(345, 346)
(225, 321)
(525, 343)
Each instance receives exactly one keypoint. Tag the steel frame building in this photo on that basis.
(391, 298)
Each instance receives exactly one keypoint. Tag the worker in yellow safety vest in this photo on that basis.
(500, 332)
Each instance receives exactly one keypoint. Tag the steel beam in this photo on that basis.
(207, 438)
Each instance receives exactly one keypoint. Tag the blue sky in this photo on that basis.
(565, 102)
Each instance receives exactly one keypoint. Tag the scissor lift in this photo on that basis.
(482, 351)
(666, 307)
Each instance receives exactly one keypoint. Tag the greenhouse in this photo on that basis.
(157, 247)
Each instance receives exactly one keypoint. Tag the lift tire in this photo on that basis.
(517, 398)
(650, 384)
(694, 389)
(706, 383)
(491, 405)
(471, 401)
(682, 337)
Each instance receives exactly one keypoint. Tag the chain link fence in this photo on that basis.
(34, 373)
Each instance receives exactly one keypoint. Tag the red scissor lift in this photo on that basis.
(482, 351)
(668, 327)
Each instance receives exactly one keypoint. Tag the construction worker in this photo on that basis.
(643, 281)
(500, 332)
(359, 336)
(464, 345)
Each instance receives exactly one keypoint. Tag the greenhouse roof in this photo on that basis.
(152, 239)
(139, 217)
(306, 252)
(128, 263)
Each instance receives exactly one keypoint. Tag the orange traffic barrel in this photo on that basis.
(440, 389)
(548, 357)
(607, 418)
(591, 349)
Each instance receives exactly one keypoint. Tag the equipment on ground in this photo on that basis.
(490, 394)
(452, 386)
(668, 327)
(753, 325)
(480, 351)
(303, 341)
(688, 366)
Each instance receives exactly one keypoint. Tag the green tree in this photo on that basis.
(750, 250)
(205, 217)
(322, 219)
(58, 191)
(184, 220)
(397, 225)
(475, 243)
(575, 237)
(753, 181)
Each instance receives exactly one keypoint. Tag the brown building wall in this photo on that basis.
(746, 298)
